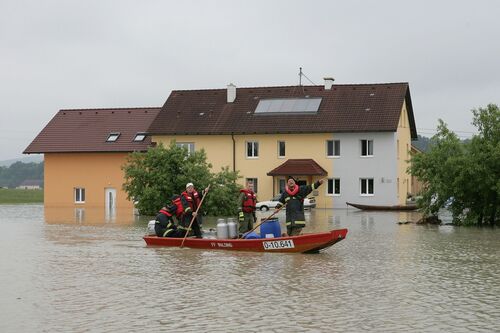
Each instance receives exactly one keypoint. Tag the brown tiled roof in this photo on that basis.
(344, 108)
(299, 167)
(86, 130)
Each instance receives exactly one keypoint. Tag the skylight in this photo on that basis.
(140, 137)
(112, 137)
(288, 105)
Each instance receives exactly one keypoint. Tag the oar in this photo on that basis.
(194, 216)
(262, 221)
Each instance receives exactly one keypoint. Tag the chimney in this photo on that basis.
(328, 82)
(231, 93)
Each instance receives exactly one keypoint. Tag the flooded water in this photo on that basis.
(78, 271)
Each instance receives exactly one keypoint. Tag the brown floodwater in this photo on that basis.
(67, 270)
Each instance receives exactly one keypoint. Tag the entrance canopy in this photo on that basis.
(298, 167)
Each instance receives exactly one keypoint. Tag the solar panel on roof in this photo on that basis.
(288, 105)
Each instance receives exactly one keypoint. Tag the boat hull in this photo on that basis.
(307, 243)
(373, 207)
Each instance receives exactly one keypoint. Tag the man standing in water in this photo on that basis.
(246, 207)
(294, 196)
(190, 201)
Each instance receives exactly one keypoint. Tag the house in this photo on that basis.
(84, 151)
(358, 136)
(30, 184)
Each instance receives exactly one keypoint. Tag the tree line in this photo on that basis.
(13, 175)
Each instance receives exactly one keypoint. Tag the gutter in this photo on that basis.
(234, 152)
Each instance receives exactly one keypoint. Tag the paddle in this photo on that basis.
(194, 216)
(262, 221)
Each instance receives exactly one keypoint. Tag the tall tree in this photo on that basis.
(463, 175)
(152, 178)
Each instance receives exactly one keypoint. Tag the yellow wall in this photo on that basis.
(92, 171)
(219, 149)
(403, 155)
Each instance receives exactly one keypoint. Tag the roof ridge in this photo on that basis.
(296, 86)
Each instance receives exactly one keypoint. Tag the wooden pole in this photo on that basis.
(194, 216)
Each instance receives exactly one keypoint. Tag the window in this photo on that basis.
(188, 145)
(366, 147)
(366, 186)
(282, 184)
(281, 148)
(255, 183)
(332, 148)
(253, 149)
(79, 195)
(139, 137)
(333, 187)
(112, 137)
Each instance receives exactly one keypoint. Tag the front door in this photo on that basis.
(110, 202)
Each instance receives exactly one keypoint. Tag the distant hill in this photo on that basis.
(27, 159)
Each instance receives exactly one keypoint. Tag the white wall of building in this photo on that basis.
(350, 167)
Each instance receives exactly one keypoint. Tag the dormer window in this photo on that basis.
(112, 137)
(139, 137)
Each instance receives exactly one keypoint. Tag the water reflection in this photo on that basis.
(89, 215)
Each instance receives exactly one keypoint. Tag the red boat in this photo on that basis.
(306, 243)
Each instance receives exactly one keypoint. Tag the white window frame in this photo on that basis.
(188, 145)
(279, 149)
(112, 137)
(139, 137)
(79, 194)
(367, 187)
(332, 193)
(336, 154)
(255, 149)
(255, 182)
(367, 142)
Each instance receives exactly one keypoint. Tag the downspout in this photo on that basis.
(234, 152)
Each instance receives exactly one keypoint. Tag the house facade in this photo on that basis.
(358, 137)
(84, 151)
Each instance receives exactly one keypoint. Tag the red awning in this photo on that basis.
(298, 167)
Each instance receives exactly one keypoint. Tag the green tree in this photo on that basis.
(151, 178)
(463, 175)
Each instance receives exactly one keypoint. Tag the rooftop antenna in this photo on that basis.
(300, 76)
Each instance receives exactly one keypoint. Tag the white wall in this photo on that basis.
(351, 166)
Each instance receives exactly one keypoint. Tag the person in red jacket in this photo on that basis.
(246, 207)
(164, 225)
(191, 199)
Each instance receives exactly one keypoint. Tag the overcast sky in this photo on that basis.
(90, 54)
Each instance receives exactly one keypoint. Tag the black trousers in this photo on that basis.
(195, 226)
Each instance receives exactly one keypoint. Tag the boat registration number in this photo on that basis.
(282, 244)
